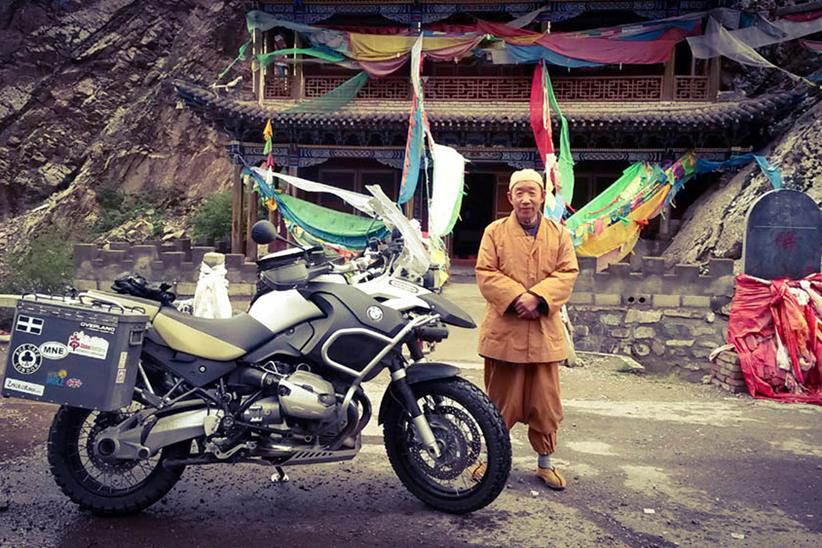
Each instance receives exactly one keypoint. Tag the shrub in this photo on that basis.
(212, 220)
(46, 266)
(118, 208)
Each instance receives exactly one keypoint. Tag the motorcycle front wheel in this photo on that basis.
(475, 448)
(106, 487)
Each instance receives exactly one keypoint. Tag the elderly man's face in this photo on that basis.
(527, 198)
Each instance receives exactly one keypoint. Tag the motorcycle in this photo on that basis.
(281, 385)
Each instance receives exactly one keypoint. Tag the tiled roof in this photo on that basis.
(445, 114)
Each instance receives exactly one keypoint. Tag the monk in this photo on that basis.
(526, 269)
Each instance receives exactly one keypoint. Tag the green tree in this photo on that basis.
(213, 218)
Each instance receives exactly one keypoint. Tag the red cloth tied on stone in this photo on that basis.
(776, 328)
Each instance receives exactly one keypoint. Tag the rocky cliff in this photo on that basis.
(715, 224)
(84, 104)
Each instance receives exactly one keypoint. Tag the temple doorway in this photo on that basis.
(476, 213)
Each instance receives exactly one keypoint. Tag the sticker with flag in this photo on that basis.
(28, 324)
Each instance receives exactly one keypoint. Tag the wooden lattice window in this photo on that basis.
(691, 88)
(473, 89)
(478, 89)
(623, 88)
(277, 87)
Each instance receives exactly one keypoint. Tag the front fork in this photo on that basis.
(403, 391)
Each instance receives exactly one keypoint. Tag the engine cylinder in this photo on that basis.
(304, 395)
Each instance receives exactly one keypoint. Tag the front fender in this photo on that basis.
(417, 373)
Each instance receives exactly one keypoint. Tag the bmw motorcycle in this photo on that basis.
(282, 385)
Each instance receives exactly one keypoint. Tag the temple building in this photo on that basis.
(617, 113)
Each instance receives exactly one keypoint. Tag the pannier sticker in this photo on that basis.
(85, 345)
(26, 359)
(97, 327)
(121, 376)
(122, 363)
(25, 387)
(57, 378)
(53, 350)
(73, 383)
(30, 324)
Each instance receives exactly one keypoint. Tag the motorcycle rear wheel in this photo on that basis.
(106, 488)
(470, 432)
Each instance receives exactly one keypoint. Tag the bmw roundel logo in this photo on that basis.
(374, 312)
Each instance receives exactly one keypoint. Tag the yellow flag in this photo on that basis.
(268, 133)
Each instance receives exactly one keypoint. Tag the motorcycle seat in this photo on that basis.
(219, 340)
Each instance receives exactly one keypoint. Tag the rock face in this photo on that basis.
(714, 225)
(83, 102)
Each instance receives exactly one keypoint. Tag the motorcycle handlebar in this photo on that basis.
(431, 333)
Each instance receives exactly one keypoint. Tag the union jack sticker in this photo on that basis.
(29, 324)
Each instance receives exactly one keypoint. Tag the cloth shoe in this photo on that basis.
(552, 478)
(478, 472)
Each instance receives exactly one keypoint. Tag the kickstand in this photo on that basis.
(280, 476)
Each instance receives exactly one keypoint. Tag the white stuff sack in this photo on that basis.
(211, 293)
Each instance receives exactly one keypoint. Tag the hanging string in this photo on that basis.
(240, 57)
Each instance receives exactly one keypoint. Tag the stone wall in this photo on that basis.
(665, 319)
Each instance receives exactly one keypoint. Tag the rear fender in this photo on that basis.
(417, 373)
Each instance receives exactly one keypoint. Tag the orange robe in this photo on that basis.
(522, 356)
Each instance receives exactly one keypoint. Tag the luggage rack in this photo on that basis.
(83, 299)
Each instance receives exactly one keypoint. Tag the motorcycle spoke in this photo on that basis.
(462, 442)
(104, 476)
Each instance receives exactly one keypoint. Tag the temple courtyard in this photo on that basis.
(650, 461)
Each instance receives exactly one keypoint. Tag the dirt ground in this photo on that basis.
(649, 462)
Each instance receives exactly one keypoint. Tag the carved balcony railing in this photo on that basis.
(497, 88)
(691, 88)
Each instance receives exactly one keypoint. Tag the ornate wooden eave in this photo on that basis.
(682, 117)
(425, 11)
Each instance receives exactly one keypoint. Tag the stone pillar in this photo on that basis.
(665, 224)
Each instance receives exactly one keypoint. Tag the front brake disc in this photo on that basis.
(449, 426)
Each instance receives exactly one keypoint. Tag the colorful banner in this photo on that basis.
(650, 42)
(380, 54)
(414, 150)
(448, 190)
(608, 227)
(334, 100)
(559, 172)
